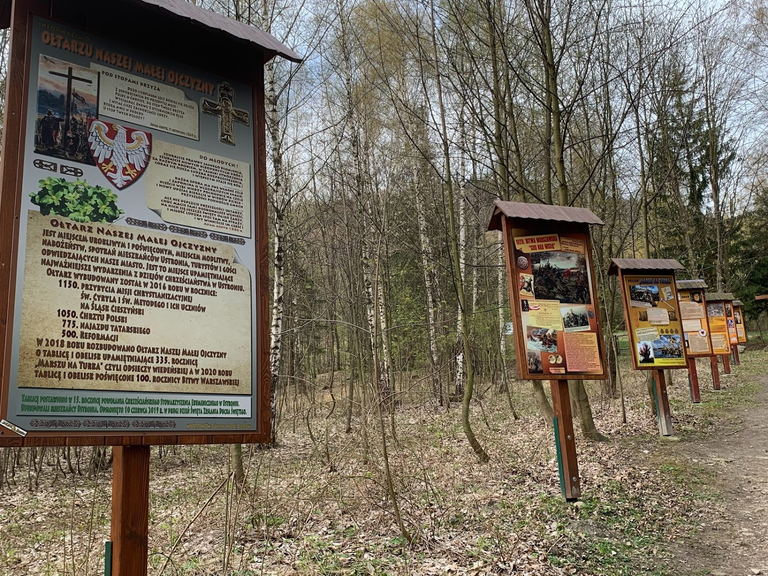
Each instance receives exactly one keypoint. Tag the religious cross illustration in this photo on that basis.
(70, 77)
(227, 113)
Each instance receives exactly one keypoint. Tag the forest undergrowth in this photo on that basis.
(318, 503)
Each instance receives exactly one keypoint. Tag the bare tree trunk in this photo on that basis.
(460, 319)
(428, 270)
(454, 246)
(540, 18)
(545, 409)
(386, 360)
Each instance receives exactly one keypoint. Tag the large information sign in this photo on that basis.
(693, 313)
(654, 325)
(133, 291)
(554, 294)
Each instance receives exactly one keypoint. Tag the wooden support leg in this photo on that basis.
(726, 363)
(565, 441)
(662, 403)
(736, 359)
(693, 379)
(130, 510)
(715, 372)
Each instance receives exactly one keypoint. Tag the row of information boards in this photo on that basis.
(556, 315)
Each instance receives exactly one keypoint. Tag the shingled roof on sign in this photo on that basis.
(719, 296)
(690, 284)
(638, 264)
(738, 303)
(525, 211)
(186, 13)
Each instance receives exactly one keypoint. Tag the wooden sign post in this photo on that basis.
(693, 313)
(133, 237)
(715, 372)
(654, 325)
(722, 328)
(555, 310)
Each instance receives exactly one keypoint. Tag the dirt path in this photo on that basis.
(733, 536)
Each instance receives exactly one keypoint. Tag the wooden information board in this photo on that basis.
(693, 314)
(738, 317)
(730, 322)
(653, 321)
(134, 228)
(654, 324)
(555, 309)
(718, 321)
(554, 300)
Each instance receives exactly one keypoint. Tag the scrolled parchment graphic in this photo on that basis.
(111, 307)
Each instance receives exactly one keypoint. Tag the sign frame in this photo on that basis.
(689, 295)
(191, 55)
(512, 226)
(663, 272)
(717, 301)
(669, 277)
(738, 316)
(560, 222)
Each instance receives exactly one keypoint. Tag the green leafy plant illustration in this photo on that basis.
(76, 200)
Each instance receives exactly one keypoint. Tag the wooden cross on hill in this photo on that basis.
(70, 77)
(227, 113)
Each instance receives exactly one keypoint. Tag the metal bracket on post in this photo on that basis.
(108, 558)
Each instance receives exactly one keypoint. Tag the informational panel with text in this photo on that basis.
(718, 327)
(133, 295)
(555, 302)
(693, 313)
(655, 328)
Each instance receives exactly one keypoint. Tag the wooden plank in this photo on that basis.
(514, 298)
(736, 359)
(565, 441)
(79, 439)
(130, 510)
(693, 379)
(726, 363)
(38, 441)
(14, 123)
(159, 440)
(663, 416)
(261, 330)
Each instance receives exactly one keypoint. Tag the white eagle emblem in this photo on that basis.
(120, 161)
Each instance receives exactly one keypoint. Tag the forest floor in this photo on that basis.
(693, 504)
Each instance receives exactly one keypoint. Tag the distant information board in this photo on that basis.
(730, 321)
(693, 313)
(738, 317)
(133, 303)
(718, 326)
(655, 327)
(556, 304)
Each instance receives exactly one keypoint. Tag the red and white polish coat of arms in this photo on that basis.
(121, 153)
